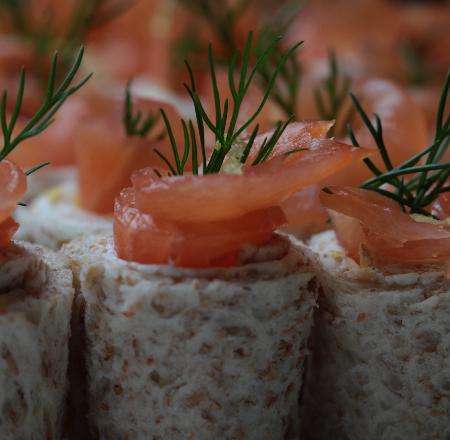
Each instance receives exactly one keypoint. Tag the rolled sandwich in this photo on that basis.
(35, 307)
(36, 291)
(380, 364)
(197, 313)
(209, 319)
(108, 151)
(195, 353)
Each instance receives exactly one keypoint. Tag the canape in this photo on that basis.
(196, 312)
(36, 292)
(380, 363)
(108, 150)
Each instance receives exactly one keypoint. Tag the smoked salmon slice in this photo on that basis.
(296, 135)
(8, 228)
(370, 223)
(56, 144)
(107, 156)
(13, 186)
(215, 197)
(404, 128)
(404, 132)
(105, 163)
(204, 221)
(441, 206)
(304, 212)
(139, 238)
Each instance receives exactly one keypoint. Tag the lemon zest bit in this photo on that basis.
(432, 221)
(54, 194)
(76, 200)
(233, 164)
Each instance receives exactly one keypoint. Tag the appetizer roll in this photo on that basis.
(197, 313)
(195, 353)
(380, 367)
(106, 157)
(380, 364)
(36, 291)
(35, 308)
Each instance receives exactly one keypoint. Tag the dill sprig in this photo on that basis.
(54, 98)
(417, 182)
(44, 38)
(224, 125)
(132, 121)
(331, 95)
(418, 72)
(88, 15)
(285, 92)
(286, 88)
(221, 18)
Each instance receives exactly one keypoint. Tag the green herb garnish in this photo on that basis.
(417, 182)
(330, 96)
(133, 122)
(44, 38)
(223, 22)
(224, 125)
(53, 100)
(419, 73)
(286, 88)
(221, 18)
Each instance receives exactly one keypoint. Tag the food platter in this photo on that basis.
(224, 220)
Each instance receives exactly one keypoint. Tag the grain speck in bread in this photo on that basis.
(380, 368)
(36, 295)
(194, 354)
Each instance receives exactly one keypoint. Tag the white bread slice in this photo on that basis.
(194, 354)
(380, 368)
(55, 217)
(36, 295)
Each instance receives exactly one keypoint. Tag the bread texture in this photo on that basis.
(194, 354)
(55, 217)
(380, 368)
(36, 295)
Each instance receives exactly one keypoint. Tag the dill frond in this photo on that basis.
(45, 39)
(133, 123)
(332, 93)
(54, 98)
(417, 182)
(224, 122)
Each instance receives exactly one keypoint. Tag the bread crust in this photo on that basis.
(36, 295)
(194, 354)
(380, 367)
